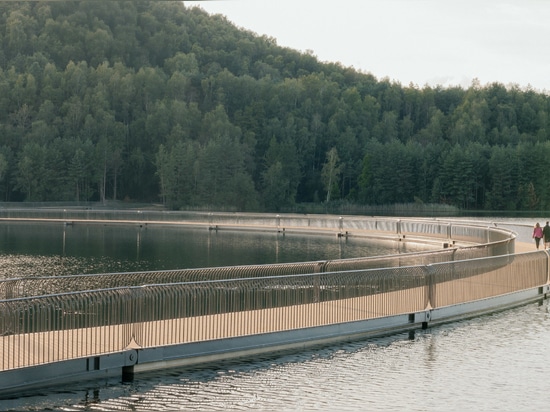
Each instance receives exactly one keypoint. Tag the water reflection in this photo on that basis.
(57, 249)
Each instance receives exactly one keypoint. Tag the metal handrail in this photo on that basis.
(89, 315)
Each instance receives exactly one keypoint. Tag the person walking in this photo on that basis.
(546, 234)
(537, 234)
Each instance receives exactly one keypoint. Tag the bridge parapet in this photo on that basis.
(171, 318)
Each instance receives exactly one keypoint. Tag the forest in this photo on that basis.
(147, 101)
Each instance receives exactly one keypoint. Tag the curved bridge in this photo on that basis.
(67, 328)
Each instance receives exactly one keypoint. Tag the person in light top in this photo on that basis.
(537, 234)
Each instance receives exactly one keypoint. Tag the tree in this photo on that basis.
(4, 168)
(331, 172)
(222, 179)
(176, 168)
(79, 170)
(504, 184)
(30, 176)
(289, 177)
(275, 184)
(136, 100)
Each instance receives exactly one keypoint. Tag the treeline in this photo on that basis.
(152, 101)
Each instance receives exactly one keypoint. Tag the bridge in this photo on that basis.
(61, 329)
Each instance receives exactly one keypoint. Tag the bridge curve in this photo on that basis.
(62, 329)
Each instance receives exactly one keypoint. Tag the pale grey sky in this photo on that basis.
(445, 42)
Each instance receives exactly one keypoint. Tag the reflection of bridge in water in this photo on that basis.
(60, 329)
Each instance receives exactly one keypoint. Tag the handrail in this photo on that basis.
(496, 241)
(51, 319)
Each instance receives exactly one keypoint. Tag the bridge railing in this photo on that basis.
(50, 328)
(435, 229)
(44, 320)
(14, 288)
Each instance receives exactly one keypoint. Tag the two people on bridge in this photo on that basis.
(542, 233)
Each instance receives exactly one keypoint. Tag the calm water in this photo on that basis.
(48, 250)
(491, 363)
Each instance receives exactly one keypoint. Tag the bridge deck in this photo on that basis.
(522, 247)
(75, 343)
(85, 342)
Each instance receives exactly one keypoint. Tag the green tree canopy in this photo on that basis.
(152, 101)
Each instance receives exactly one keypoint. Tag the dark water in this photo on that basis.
(491, 363)
(56, 249)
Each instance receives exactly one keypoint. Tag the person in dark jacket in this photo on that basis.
(546, 235)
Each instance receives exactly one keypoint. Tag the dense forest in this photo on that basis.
(157, 102)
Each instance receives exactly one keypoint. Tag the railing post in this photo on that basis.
(430, 287)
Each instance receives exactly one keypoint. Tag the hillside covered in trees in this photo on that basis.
(153, 101)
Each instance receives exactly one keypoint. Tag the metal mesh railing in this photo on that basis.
(36, 286)
(49, 319)
(469, 280)
(110, 320)
(47, 285)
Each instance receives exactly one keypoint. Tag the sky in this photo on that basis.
(424, 42)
